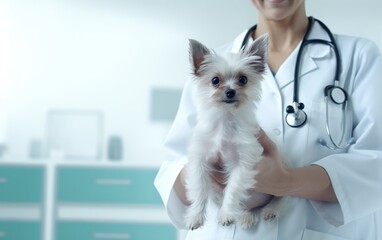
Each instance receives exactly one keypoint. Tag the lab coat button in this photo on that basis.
(276, 131)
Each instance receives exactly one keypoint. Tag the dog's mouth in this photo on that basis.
(230, 101)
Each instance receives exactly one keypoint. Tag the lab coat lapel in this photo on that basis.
(285, 73)
(311, 54)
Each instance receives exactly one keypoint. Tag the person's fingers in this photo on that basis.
(266, 142)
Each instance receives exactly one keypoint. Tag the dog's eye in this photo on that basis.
(243, 80)
(215, 81)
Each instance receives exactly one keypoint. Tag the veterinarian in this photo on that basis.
(321, 117)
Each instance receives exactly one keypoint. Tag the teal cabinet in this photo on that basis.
(26, 186)
(21, 184)
(20, 230)
(111, 231)
(107, 185)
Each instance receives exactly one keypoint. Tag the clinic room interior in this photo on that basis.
(88, 92)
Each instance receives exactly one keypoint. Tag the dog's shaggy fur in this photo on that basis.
(227, 89)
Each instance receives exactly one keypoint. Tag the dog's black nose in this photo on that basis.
(230, 93)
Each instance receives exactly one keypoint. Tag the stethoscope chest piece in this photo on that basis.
(337, 94)
(296, 117)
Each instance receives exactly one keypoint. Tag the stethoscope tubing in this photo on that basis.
(304, 43)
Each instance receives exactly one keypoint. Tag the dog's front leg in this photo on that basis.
(240, 180)
(235, 192)
(198, 186)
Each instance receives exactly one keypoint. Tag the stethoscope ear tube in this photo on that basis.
(335, 145)
(350, 142)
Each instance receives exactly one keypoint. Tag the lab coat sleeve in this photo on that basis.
(176, 145)
(356, 176)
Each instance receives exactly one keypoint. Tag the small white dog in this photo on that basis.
(227, 90)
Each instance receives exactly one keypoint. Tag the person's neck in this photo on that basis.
(284, 36)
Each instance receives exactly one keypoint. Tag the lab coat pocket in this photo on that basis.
(314, 235)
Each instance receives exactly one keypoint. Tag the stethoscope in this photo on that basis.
(295, 115)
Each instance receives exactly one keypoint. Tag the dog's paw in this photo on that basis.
(225, 219)
(270, 214)
(226, 222)
(194, 221)
(247, 220)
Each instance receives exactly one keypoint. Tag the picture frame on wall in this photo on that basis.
(75, 134)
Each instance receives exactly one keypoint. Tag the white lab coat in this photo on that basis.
(356, 173)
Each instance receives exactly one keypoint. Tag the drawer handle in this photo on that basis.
(2, 181)
(102, 181)
(111, 236)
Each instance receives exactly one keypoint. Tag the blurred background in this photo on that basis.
(88, 91)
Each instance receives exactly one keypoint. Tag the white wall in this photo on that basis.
(108, 54)
(350, 17)
(102, 55)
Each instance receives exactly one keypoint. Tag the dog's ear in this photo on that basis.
(197, 52)
(259, 50)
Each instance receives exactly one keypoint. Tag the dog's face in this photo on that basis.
(231, 80)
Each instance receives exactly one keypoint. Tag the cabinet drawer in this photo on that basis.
(111, 231)
(21, 184)
(107, 185)
(20, 230)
